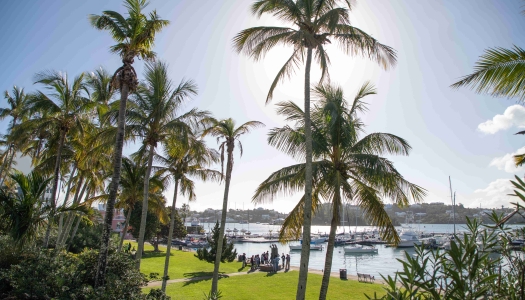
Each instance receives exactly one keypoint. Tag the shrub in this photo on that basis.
(47, 274)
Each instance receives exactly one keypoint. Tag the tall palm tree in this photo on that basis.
(314, 24)
(135, 36)
(62, 113)
(180, 160)
(154, 116)
(23, 211)
(226, 131)
(19, 112)
(346, 168)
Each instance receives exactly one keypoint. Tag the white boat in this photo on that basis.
(248, 232)
(300, 247)
(360, 249)
(195, 222)
(235, 230)
(228, 230)
(409, 238)
(316, 239)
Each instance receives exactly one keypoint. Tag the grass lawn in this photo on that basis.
(253, 286)
(182, 264)
(272, 286)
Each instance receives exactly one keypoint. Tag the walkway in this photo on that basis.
(333, 274)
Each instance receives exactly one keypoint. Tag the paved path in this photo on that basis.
(333, 274)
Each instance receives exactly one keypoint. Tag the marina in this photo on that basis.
(381, 261)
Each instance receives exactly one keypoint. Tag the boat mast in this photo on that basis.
(453, 199)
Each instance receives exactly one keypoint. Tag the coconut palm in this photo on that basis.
(226, 131)
(132, 184)
(22, 211)
(182, 159)
(500, 73)
(135, 36)
(346, 168)
(62, 113)
(18, 111)
(314, 24)
(154, 115)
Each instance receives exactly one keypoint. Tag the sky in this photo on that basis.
(457, 133)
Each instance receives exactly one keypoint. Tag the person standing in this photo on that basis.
(288, 261)
(276, 263)
(283, 259)
(243, 258)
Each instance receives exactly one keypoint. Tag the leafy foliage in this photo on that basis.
(45, 274)
(469, 270)
(228, 252)
(152, 222)
(179, 231)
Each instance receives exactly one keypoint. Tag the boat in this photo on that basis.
(243, 222)
(409, 238)
(235, 230)
(258, 223)
(195, 222)
(248, 232)
(316, 239)
(360, 249)
(312, 247)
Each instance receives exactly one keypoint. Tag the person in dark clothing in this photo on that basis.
(283, 259)
(288, 261)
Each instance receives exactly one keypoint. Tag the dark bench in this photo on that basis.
(365, 278)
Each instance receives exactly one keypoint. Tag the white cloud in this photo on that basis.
(494, 195)
(506, 162)
(513, 116)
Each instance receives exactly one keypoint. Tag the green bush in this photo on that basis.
(51, 275)
(479, 265)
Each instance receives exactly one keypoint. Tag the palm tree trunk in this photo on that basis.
(74, 233)
(229, 167)
(4, 164)
(76, 227)
(125, 229)
(55, 188)
(68, 189)
(170, 235)
(7, 163)
(100, 277)
(331, 244)
(305, 251)
(142, 232)
(71, 215)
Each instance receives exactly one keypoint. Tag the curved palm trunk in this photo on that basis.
(66, 233)
(6, 165)
(229, 166)
(170, 235)
(142, 231)
(124, 230)
(71, 216)
(100, 277)
(68, 189)
(305, 251)
(74, 233)
(331, 243)
(55, 188)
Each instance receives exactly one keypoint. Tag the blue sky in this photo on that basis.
(452, 132)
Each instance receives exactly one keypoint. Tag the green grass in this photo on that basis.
(253, 286)
(182, 264)
(272, 286)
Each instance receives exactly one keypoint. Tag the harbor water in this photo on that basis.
(384, 262)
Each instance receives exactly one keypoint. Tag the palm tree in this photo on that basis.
(314, 23)
(18, 111)
(154, 116)
(346, 168)
(500, 73)
(132, 184)
(135, 36)
(181, 160)
(62, 113)
(225, 130)
(23, 211)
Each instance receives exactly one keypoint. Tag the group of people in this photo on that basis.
(266, 258)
